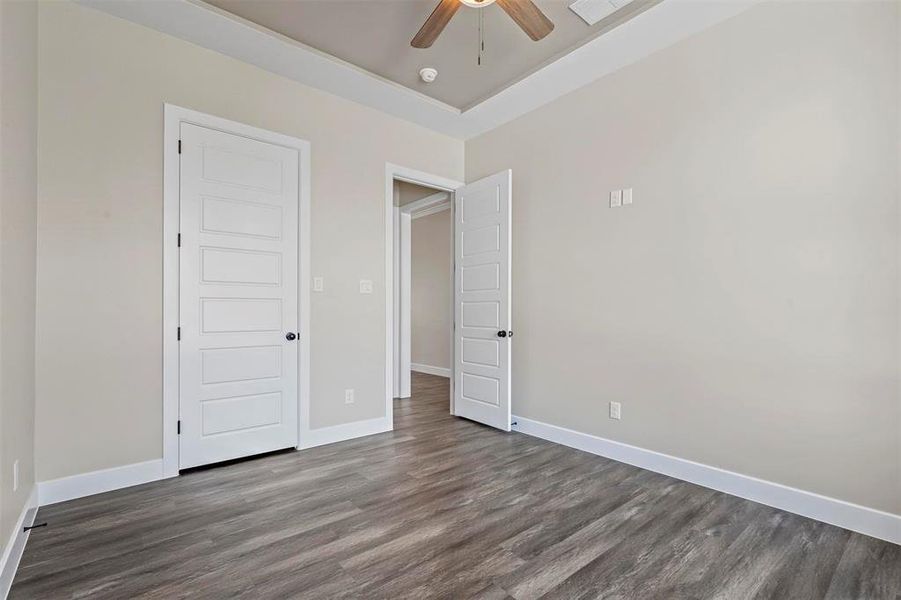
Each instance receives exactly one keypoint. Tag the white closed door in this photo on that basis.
(482, 317)
(238, 297)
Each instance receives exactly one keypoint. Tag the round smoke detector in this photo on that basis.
(428, 74)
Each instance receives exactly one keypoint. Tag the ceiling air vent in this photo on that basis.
(593, 11)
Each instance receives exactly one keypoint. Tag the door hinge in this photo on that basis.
(178, 334)
(178, 427)
(179, 146)
(179, 240)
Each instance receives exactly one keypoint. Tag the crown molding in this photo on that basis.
(214, 29)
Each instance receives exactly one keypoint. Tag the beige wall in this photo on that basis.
(745, 310)
(103, 82)
(18, 173)
(430, 305)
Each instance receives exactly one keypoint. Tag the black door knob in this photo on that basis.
(291, 336)
(501, 334)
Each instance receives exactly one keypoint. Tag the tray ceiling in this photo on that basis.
(613, 46)
(375, 36)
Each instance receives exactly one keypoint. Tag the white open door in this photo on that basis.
(482, 316)
(238, 296)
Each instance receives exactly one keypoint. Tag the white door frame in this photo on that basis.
(173, 117)
(403, 262)
(395, 172)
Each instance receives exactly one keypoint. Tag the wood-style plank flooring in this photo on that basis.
(442, 507)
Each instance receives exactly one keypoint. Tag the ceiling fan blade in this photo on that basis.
(528, 16)
(436, 23)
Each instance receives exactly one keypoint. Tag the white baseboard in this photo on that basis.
(875, 523)
(107, 480)
(343, 432)
(97, 482)
(15, 546)
(430, 370)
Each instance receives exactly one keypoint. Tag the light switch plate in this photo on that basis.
(627, 196)
(615, 410)
(365, 286)
(318, 284)
(348, 396)
(616, 198)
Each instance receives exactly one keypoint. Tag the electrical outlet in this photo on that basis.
(15, 475)
(348, 396)
(318, 284)
(365, 286)
(616, 198)
(615, 410)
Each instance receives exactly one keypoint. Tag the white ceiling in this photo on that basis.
(375, 35)
(202, 24)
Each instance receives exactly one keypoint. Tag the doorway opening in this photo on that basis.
(423, 287)
(480, 291)
(419, 209)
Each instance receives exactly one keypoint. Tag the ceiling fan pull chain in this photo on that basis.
(481, 34)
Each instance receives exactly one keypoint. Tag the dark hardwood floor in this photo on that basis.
(442, 507)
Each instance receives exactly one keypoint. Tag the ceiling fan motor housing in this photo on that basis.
(524, 12)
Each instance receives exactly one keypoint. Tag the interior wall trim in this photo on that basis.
(430, 370)
(868, 521)
(97, 482)
(117, 478)
(15, 545)
(346, 431)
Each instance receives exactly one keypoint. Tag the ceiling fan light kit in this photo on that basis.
(524, 12)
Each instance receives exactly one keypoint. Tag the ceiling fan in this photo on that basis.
(528, 16)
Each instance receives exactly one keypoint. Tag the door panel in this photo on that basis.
(240, 315)
(229, 415)
(239, 267)
(238, 296)
(482, 301)
(223, 365)
(241, 218)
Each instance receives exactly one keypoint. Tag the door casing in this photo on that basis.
(173, 117)
(443, 184)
